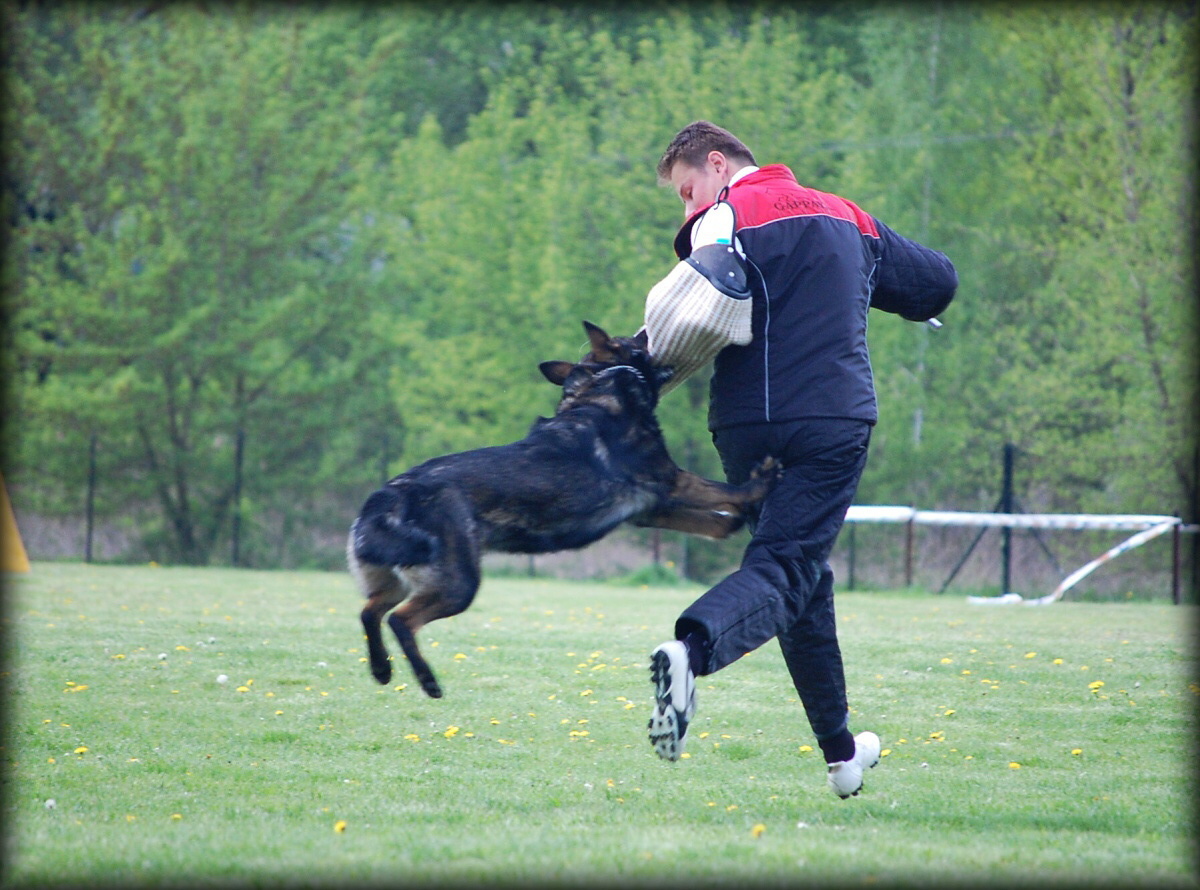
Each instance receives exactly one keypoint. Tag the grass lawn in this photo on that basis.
(1035, 746)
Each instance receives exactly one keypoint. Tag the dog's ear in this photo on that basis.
(556, 372)
(601, 343)
(642, 339)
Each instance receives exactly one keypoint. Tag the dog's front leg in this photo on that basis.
(702, 506)
(694, 521)
(690, 491)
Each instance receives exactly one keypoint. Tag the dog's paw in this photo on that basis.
(382, 672)
(769, 469)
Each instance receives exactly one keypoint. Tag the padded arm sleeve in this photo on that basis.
(911, 280)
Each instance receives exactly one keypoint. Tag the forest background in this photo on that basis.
(260, 257)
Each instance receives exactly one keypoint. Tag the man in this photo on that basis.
(801, 390)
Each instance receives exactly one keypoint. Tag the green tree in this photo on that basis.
(189, 268)
(1102, 356)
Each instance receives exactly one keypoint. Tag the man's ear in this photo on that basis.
(600, 342)
(556, 372)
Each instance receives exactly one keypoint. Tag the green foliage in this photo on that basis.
(653, 575)
(345, 240)
(193, 281)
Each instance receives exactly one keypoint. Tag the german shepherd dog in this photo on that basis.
(599, 461)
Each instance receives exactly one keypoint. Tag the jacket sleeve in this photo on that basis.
(911, 280)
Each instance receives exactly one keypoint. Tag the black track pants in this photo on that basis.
(784, 587)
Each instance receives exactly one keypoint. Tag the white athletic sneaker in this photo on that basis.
(675, 699)
(846, 776)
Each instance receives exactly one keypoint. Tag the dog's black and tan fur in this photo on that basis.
(599, 461)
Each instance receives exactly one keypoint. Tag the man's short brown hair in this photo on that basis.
(692, 144)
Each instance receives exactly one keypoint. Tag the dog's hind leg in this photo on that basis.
(384, 593)
(440, 590)
(447, 598)
(420, 667)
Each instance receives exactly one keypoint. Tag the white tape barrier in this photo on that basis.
(1148, 527)
(1115, 522)
(1079, 574)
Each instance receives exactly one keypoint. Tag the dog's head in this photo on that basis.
(614, 364)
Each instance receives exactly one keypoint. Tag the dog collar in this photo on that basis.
(639, 374)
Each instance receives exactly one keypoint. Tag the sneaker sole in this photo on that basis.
(664, 724)
(855, 793)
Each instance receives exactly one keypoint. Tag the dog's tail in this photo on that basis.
(385, 535)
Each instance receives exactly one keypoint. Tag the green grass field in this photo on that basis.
(1023, 745)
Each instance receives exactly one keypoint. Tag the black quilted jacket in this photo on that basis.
(819, 263)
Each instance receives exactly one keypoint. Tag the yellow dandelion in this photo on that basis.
(757, 830)
(804, 749)
(1058, 661)
(451, 732)
(1031, 655)
(412, 737)
(731, 808)
(885, 752)
(82, 749)
(1095, 685)
(175, 817)
(339, 826)
(243, 689)
(1014, 765)
(947, 661)
(460, 656)
(118, 657)
(1076, 751)
(686, 755)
